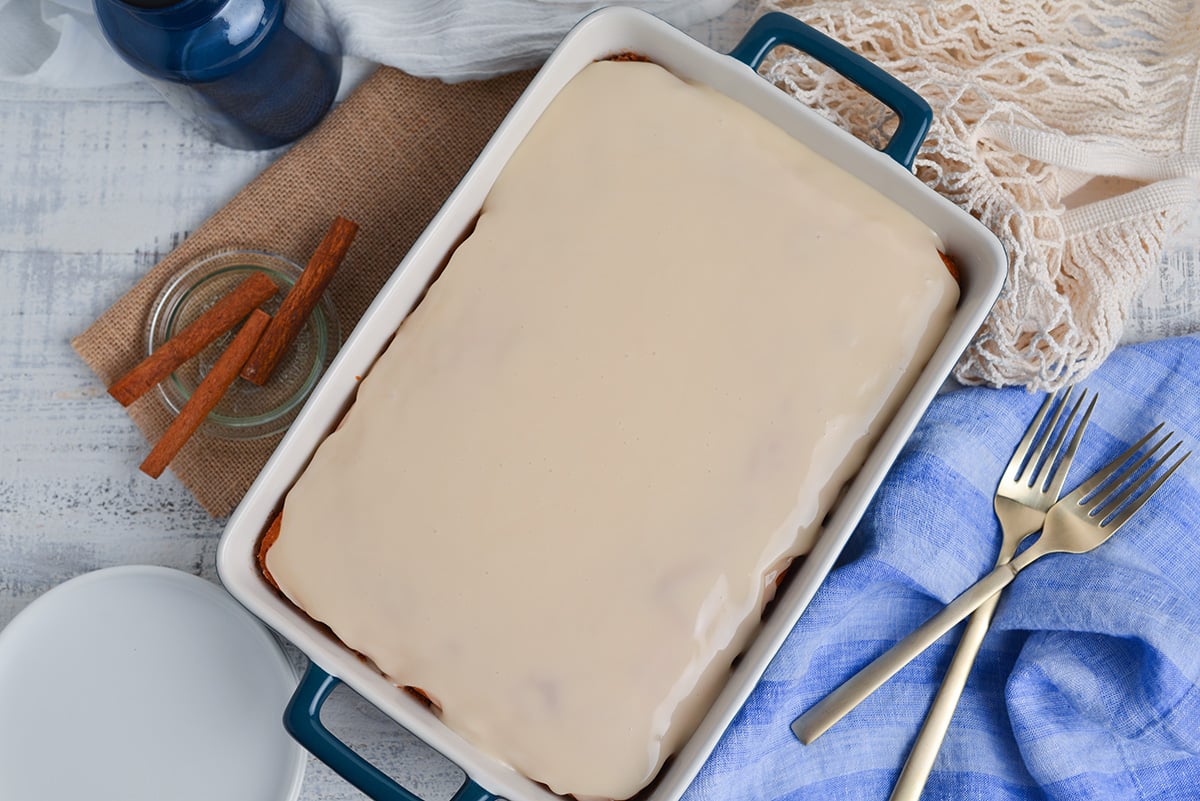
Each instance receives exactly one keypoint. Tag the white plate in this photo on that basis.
(143, 683)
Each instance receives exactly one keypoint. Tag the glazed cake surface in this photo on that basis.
(563, 494)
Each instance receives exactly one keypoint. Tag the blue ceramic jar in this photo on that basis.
(253, 74)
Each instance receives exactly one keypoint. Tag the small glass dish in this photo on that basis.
(246, 411)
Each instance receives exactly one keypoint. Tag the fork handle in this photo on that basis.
(915, 773)
(833, 707)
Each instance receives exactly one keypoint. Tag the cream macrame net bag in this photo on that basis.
(1071, 129)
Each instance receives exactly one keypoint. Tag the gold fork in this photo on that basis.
(1030, 486)
(1078, 523)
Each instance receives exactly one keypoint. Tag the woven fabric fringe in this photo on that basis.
(1071, 129)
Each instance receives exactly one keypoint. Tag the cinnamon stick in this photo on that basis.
(300, 300)
(223, 316)
(207, 395)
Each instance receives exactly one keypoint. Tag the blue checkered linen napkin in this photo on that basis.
(1087, 686)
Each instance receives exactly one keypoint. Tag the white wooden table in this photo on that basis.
(95, 187)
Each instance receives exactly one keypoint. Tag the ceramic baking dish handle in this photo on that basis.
(302, 719)
(777, 28)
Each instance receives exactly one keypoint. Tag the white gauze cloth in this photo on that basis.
(58, 42)
(1070, 128)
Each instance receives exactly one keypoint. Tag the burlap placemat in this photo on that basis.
(386, 158)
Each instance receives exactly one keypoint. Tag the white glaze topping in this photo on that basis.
(560, 497)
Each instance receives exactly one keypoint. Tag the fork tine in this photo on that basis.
(1135, 504)
(1023, 456)
(1018, 461)
(1118, 494)
(1044, 438)
(1095, 501)
(1101, 476)
(1053, 472)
